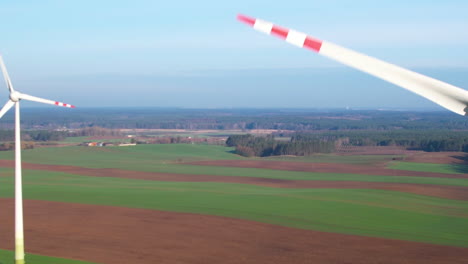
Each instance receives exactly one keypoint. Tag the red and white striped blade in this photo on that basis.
(5, 75)
(6, 107)
(444, 94)
(291, 36)
(45, 101)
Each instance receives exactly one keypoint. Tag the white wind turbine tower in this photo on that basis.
(15, 98)
(446, 95)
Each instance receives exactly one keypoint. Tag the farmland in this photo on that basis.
(189, 203)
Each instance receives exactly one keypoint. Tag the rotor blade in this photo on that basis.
(6, 107)
(45, 101)
(444, 94)
(5, 75)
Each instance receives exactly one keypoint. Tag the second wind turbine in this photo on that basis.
(15, 98)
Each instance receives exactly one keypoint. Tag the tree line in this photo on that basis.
(263, 146)
(11, 145)
(94, 131)
(425, 140)
(242, 119)
(34, 135)
(57, 135)
(304, 144)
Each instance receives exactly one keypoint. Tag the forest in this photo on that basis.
(263, 146)
(304, 144)
(302, 131)
(228, 119)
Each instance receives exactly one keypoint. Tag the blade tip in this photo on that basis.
(64, 104)
(246, 19)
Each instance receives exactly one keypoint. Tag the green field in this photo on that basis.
(7, 257)
(168, 158)
(164, 153)
(161, 157)
(368, 212)
(131, 157)
(429, 167)
(356, 211)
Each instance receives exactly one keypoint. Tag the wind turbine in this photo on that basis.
(446, 95)
(15, 98)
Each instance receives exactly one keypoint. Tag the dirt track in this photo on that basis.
(449, 192)
(114, 235)
(437, 157)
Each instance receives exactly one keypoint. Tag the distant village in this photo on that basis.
(106, 144)
(153, 140)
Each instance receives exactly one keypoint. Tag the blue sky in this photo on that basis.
(195, 53)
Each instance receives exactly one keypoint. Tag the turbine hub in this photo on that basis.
(15, 96)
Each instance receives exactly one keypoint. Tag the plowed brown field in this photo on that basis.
(115, 235)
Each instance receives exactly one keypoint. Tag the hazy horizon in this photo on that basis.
(196, 55)
(338, 87)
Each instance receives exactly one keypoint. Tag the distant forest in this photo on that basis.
(304, 131)
(263, 146)
(426, 140)
(304, 144)
(243, 119)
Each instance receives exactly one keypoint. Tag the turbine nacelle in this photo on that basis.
(15, 96)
